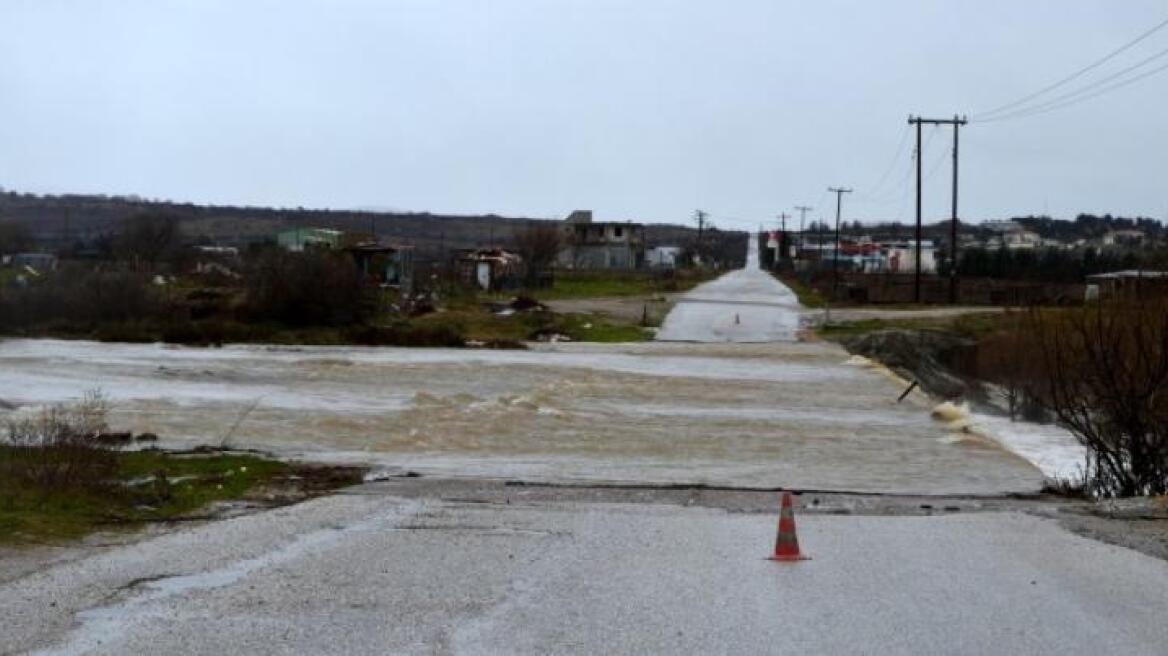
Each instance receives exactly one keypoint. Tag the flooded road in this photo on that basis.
(785, 414)
(722, 409)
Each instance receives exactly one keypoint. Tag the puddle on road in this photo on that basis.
(791, 414)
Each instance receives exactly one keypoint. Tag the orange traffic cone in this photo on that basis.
(787, 544)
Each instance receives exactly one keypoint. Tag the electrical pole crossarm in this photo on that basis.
(956, 122)
(839, 195)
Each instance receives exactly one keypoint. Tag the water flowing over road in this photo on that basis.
(785, 413)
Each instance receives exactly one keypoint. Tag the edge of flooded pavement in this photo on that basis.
(1141, 525)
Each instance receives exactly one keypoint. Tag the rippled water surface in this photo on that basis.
(729, 396)
(780, 414)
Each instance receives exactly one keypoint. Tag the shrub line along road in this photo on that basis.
(416, 566)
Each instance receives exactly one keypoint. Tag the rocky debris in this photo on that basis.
(925, 356)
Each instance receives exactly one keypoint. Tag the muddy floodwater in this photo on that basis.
(797, 414)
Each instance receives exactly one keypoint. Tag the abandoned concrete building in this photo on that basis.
(601, 244)
(490, 269)
(385, 265)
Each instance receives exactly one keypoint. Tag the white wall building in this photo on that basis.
(902, 257)
(662, 257)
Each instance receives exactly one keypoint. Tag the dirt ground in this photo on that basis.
(877, 312)
(622, 308)
(305, 481)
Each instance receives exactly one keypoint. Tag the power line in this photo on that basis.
(936, 166)
(1077, 74)
(871, 191)
(906, 193)
(898, 192)
(1047, 107)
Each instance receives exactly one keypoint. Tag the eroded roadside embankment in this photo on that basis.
(1140, 524)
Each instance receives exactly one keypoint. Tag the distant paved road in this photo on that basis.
(371, 573)
(746, 305)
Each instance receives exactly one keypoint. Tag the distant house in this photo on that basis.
(662, 257)
(384, 265)
(902, 257)
(300, 239)
(490, 269)
(601, 244)
(1012, 235)
(1130, 281)
(1123, 237)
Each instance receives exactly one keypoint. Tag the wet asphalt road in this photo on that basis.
(743, 306)
(371, 573)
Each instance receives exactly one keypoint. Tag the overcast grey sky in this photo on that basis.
(641, 109)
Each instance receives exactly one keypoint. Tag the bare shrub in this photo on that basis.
(79, 296)
(147, 237)
(62, 447)
(539, 244)
(1105, 378)
(313, 288)
(1008, 360)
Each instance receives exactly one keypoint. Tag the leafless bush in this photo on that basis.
(1008, 360)
(61, 447)
(539, 245)
(1105, 377)
(147, 238)
(78, 295)
(313, 288)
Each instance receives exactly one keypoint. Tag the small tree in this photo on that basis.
(1008, 360)
(148, 237)
(539, 244)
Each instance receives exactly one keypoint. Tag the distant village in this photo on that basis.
(871, 252)
(1089, 251)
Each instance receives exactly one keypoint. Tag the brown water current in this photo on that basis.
(793, 414)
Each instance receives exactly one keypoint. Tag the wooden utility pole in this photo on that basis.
(956, 122)
(803, 210)
(783, 216)
(839, 196)
(700, 217)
